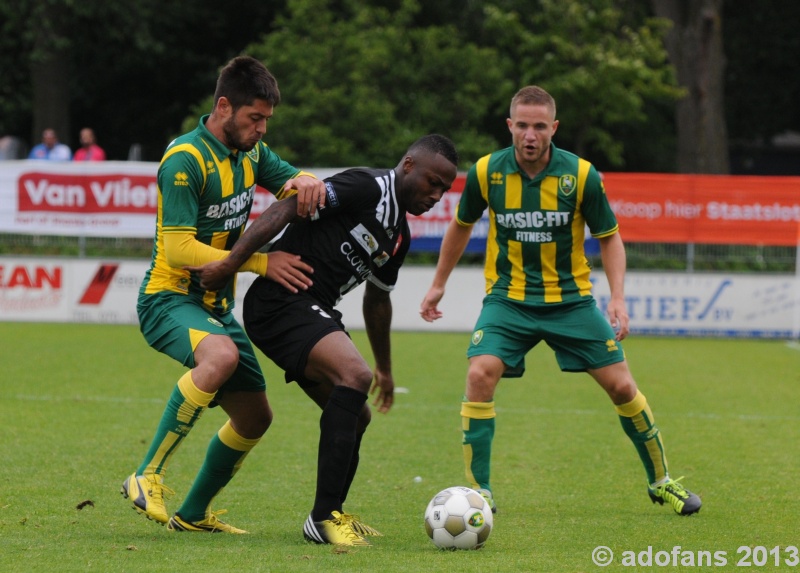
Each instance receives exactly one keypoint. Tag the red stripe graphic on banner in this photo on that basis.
(99, 285)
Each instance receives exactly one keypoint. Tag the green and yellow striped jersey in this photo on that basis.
(535, 252)
(207, 189)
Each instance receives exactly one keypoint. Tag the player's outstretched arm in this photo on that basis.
(612, 253)
(377, 309)
(453, 244)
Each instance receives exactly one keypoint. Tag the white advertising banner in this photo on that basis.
(91, 199)
(679, 304)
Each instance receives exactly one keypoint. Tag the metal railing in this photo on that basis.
(641, 256)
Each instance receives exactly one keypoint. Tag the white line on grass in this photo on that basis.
(49, 398)
(605, 412)
(501, 409)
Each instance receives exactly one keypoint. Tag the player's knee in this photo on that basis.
(622, 390)
(226, 359)
(361, 380)
(481, 383)
(253, 425)
(218, 357)
(364, 418)
(264, 421)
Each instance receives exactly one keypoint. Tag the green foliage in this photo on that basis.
(363, 79)
(360, 82)
(33, 31)
(601, 70)
(360, 85)
(77, 420)
(759, 44)
(134, 68)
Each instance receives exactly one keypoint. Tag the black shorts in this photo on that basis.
(286, 326)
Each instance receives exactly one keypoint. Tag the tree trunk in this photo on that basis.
(50, 75)
(50, 83)
(694, 45)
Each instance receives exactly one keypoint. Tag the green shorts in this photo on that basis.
(166, 320)
(578, 332)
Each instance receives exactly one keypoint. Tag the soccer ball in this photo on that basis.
(458, 518)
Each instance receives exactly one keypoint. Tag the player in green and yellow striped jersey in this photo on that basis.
(540, 201)
(206, 185)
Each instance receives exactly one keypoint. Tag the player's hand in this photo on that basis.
(289, 271)
(310, 194)
(429, 310)
(214, 275)
(383, 384)
(618, 316)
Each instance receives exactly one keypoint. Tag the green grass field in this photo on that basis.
(80, 403)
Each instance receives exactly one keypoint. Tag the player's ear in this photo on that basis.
(223, 106)
(408, 164)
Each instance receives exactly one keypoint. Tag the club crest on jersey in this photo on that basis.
(477, 336)
(364, 238)
(567, 184)
(254, 153)
(214, 321)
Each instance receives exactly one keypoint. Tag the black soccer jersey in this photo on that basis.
(361, 233)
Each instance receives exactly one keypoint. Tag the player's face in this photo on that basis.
(532, 128)
(427, 179)
(247, 125)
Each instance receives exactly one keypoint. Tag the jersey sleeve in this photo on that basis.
(180, 180)
(272, 171)
(349, 190)
(473, 202)
(595, 207)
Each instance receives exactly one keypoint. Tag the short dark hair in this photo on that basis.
(533, 95)
(245, 79)
(435, 143)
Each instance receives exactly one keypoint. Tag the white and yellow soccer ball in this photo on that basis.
(458, 518)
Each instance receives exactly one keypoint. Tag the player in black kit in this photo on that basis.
(361, 233)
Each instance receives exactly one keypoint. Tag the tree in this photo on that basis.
(695, 48)
(761, 93)
(603, 70)
(130, 70)
(400, 67)
(44, 37)
(360, 83)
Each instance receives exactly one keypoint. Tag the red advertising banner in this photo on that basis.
(710, 209)
(119, 199)
(98, 193)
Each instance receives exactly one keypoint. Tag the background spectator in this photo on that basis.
(50, 148)
(12, 148)
(89, 150)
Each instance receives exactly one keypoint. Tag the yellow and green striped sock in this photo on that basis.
(224, 457)
(477, 425)
(637, 421)
(184, 408)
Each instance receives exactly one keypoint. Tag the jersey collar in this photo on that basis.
(510, 165)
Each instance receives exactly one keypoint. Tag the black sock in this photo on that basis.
(351, 473)
(337, 442)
